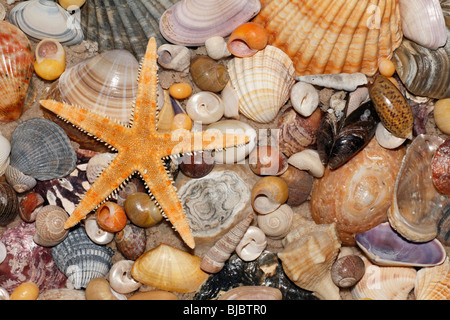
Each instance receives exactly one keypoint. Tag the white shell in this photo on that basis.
(308, 160)
(5, 149)
(216, 47)
(252, 244)
(95, 233)
(4, 295)
(230, 102)
(338, 81)
(205, 107)
(304, 98)
(234, 154)
(2, 252)
(386, 139)
(2, 12)
(18, 180)
(276, 224)
(120, 278)
(423, 22)
(263, 83)
(174, 57)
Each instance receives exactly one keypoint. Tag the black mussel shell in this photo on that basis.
(325, 136)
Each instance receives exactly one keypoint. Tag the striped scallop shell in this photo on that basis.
(42, 150)
(16, 70)
(333, 36)
(433, 283)
(263, 83)
(80, 259)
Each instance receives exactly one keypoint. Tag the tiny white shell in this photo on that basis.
(252, 244)
(276, 224)
(120, 278)
(304, 98)
(4, 295)
(308, 160)
(174, 57)
(338, 81)
(95, 233)
(216, 48)
(386, 139)
(205, 107)
(2, 252)
(230, 102)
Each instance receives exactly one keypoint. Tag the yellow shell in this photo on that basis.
(268, 194)
(169, 268)
(71, 4)
(26, 291)
(442, 115)
(50, 59)
(433, 283)
(333, 36)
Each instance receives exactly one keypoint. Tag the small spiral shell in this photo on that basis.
(276, 224)
(120, 278)
(215, 258)
(252, 244)
(268, 194)
(50, 226)
(9, 204)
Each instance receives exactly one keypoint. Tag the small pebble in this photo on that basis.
(386, 68)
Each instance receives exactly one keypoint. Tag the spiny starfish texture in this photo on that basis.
(141, 148)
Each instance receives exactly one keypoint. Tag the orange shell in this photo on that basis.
(247, 39)
(26, 291)
(111, 217)
(357, 195)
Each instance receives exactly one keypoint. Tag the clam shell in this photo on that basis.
(42, 150)
(263, 83)
(416, 203)
(385, 247)
(16, 70)
(123, 24)
(80, 259)
(433, 283)
(40, 19)
(333, 36)
(357, 194)
(384, 283)
(309, 252)
(9, 204)
(192, 22)
(168, 268)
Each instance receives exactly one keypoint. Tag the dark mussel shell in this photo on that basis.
(9, 204)
(443, 227)
(339, 140)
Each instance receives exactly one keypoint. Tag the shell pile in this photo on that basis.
(343, 184)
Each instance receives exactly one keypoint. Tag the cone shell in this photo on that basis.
(263, 83)
(433, 283)
(333, 36)
(80, 259)
(358, 194)
(42, 150)
(16, 70)
(168, 268)
(309, 252)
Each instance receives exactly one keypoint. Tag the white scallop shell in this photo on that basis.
(263, 83)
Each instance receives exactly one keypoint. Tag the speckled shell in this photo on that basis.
(333, 36)
(80, 259)
(40, 19)
(41, 149)
(9, 204)
(168, 268)
(392, 107)
(416, 218)
(131, 241)
(433, 283)
(358, 194)
(16, 69)
(50, 226)
(263, 83)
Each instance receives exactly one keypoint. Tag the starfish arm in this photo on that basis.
(89, 122)
(161, 186)
(109, 181)
(145, 104)
(182, 141)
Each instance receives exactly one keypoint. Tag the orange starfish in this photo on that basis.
(141, 148)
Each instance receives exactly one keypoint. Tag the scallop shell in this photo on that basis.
(416, 203)
(309, 252)
(358, 194)
(423, 22)
(333, 36)
(384, 283)
(50, 226)
(9, 204)
(40, 19)
(80, 259)
(42, 150)
(263, 83)
(16, 69)
(385, 247)
(168, 268)
(192, 22)
(433, 283)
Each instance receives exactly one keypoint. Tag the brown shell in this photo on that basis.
(9, 204)
(208, 75)
(358, 194)
(440, 167)
(131, 241)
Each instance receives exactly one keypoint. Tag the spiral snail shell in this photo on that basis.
(50, 226)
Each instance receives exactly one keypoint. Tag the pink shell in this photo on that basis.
(16, 70)
(27, 261)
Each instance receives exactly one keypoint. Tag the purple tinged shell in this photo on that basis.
(385, 247)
